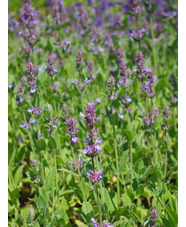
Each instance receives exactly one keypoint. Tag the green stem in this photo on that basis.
(82, 107)
(57, 192)
(42, 169)
(165, 170)
(53, 95)
(99, 207)
(146, 107)
(117, 166)
(30, 138)
(153, 46)
(80, 179)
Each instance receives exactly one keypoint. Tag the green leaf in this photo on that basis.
(146, 173)
(64, 204)
(50, 180)
(69, 171)
(52, 143)
(18, 175)
(128, 134)
(135, 215)
(40, 145)
(62, 215)
(87, 211)
(105, 200)
(126, 200)
(140, 189)
(53, 219)
(135, 184)
(86, 208)
(123, 162)
(114, 200)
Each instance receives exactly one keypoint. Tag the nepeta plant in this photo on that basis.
(92, 142)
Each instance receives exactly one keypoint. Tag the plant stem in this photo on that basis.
(57, 192)
(117, 166)
(81, 182)
(153, 46)
(42, 169)
(53, 95)
(99, 207)
(165, 170)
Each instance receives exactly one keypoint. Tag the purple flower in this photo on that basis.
(73, 164)
(80, 164)
(166, 112)
(11, 86)
(23, 125)
(32, 121)
(32, 90)
(140, 61)
(121, 116)
(126, 100)
(72, 128)
(73, 139)
(31, 109)
(95, 177)
(155, 112)
(19, 100)
(92, 148)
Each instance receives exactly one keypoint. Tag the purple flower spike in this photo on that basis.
(80, 164)
(31, 109)
(23, 125)
(121, 116)
(95, 177)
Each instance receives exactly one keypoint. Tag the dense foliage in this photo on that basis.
(92, 121)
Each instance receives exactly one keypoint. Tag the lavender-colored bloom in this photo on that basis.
(166, 112)
(32, 90)
(90, 67)
(31, 109)
(140, 61)
(111, 82)
(19, 100)
(80, 164)
(151, 120)
(154, 216)
(50, 68)
(126, 100)
(23, 125)
(36, 180)
(11, 86)
(73, 164)
(92, 149)
(75, 81)
(121, 116)
(54, 86)
(72, 128)
(165, 127)
(146, 121)
(95, 177)
(37, 111)
(32, 121)
(155, 112)
(73, 139)
(65, 109)
(79, 60)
